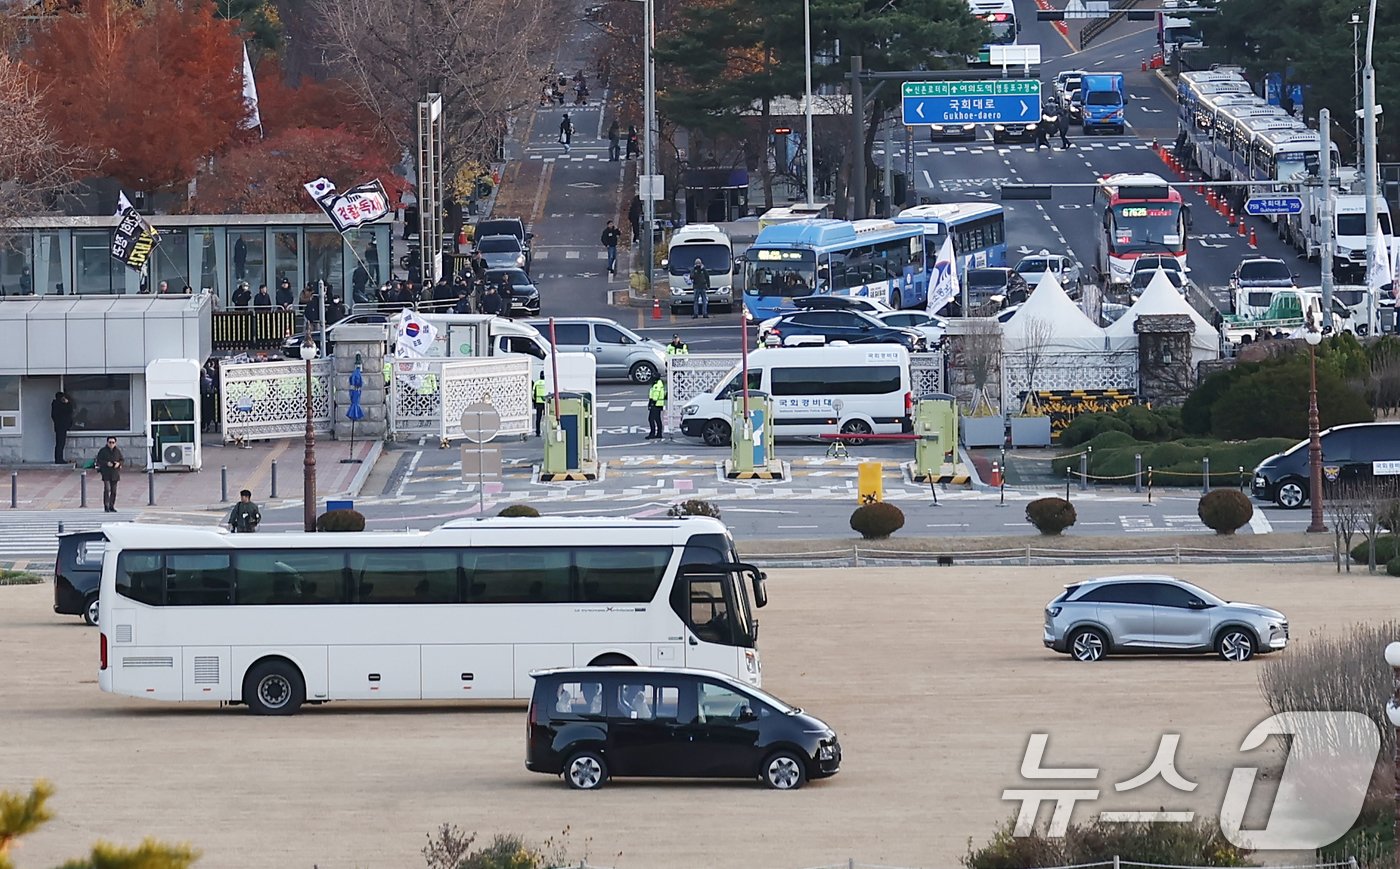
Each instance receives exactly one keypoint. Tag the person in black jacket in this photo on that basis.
(61, 412)
(285, 299)
(109, 465)
(262, 301)
(242, 296)
(491, 302)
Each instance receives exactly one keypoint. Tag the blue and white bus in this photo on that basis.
(978, 230)
(874, 259)
(1000, 16)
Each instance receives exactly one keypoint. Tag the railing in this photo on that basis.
(864, 556)
(252, 330)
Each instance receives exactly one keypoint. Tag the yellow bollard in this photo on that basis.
(870, 482)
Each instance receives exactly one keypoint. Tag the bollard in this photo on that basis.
(14, 489)
(1205, 474)
(82, 489)
(1137, 472)
(1067, 482)
(1149, 485)
(223, 483)
(273, 493)
(1083, 471)
(151, 487)
(1241, 478)
(60, 528)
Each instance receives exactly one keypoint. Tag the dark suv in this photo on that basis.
(589, 724)
(77, 573)
(1349, 453)
(853, 327)
(507, 226)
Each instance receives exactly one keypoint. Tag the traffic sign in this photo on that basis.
(994, 101)
(480, 422)
(1257, 205)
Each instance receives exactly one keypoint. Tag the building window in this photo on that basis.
(93, 253)
(249, 252)
(16, 267)
(9, 403)
(101, 402)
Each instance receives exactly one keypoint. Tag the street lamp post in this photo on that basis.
(1355, 23)
(807, 52)
(1314, 337)
(1392, 711)
(1368, 105)
(308, 462)
(649, 109)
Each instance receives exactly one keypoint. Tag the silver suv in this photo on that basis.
(1157, 614)
(620, 352)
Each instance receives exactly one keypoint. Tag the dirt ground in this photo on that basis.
(933, 677)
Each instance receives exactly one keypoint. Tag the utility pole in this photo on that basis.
(1324, 172)
(889, 170)
(648, 200)
(857, 152)
(810, 145)
(1368, 96)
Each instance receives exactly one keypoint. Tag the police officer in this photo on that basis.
(656, 400)
(677, 347)
(538, 392)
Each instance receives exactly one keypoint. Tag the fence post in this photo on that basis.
(60, 528)
(223, 483)
(850, 863)
(273, 493)
(82, 489)
(151, 487)
(855, 556)
(1137, 472)
(1083, 471)
(1028, 556)
(1178, 553)
(1205, 475)
(1116, 862)
(14, 489)
(1241, 478)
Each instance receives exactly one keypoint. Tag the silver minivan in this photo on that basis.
(620, 352)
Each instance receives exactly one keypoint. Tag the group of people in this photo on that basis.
(554, 88)
(634, 146)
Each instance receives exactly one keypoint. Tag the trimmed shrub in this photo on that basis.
(1050, 515)
(1197, 844)
(1387, 548)
(520, 510)
(694, 507)
(1089, 425)
(1224, 510)
(1392, 567)
(877, 521)
(1274, 402)
(341, 520)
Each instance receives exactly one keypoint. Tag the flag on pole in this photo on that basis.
(250, 94)
(364, 203)
(1378, 268)
(943, 283)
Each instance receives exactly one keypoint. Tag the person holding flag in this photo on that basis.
(943, 282)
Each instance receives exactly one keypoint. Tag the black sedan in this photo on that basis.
(994, 289)
(853, 327)
(524, 294)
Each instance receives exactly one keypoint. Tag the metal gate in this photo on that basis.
(263, 400)
(418, 387)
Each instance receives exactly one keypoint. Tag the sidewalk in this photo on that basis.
(47, 487)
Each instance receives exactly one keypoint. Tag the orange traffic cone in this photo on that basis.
(1242, 228)
(1253, 239)
(656, 309)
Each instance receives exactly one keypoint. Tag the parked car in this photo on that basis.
(992, 289)
(1066, 82)
(1349, 454)
(502, 252)
(831, 303)
(507, 226)
(524, 293)
(853, 327)
(1157, 614)
(932, 327)
(77, 573)
(620, 352)
(291, 345)
(1063, 267)
(592, 724)
(952, 131)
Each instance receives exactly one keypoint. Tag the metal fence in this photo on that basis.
(418, 386)
(263, 400)
(860, 556)
(1115, 863)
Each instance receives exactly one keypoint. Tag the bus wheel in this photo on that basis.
(897, 301)
(274, 687)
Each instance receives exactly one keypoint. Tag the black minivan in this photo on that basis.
(592, 723)
(77, 573)
(1349, 453)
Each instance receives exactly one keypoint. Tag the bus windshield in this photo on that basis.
(787, 278)
(1147, 227)
(1003, 28)
(714, 256)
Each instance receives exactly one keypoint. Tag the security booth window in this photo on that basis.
(101, 402)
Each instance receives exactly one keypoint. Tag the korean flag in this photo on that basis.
(943, 283)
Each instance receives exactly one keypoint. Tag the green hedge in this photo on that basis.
(1387, 548)
(1174, 463)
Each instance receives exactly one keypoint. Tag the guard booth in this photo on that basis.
(571, 441)
(751, 439)
(936, 427)
(173, 423)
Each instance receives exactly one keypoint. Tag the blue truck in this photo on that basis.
(1104, 98)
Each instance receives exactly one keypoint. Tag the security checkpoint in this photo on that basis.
(570, 438)
(751, 439)
(936, 444)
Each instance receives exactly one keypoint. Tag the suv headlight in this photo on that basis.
(690, 410)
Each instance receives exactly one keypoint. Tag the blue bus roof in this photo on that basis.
(821, 233)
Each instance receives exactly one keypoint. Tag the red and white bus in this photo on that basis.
(1138, 214)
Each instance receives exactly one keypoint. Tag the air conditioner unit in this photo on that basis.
(173, 455)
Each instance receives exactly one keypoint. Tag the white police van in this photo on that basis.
(853, 390)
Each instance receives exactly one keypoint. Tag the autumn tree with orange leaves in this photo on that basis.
(145, 93)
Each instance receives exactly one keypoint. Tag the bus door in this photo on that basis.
(718, 602)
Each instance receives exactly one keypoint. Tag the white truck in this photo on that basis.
(1285, 314)
(1307, 232)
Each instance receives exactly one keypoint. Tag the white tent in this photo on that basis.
(1051, 312)
(1161, 297)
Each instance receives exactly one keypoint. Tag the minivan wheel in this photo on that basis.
(90, 610)
(783, 771)
(1291, 494)
(1088, 644)
(586, 771)
(1235, 644)
(274, 687)
(643, 373)
(716, 433)
(854, 430)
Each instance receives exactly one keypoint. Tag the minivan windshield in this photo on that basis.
(777, 704)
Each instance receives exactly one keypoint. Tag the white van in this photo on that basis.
(709, 244)
(852, 390)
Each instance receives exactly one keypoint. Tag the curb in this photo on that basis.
(366, 468)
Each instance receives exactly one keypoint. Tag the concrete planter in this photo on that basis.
(983, 431)
(1030, 431)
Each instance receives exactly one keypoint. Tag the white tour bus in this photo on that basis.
(466, 610)
(853, 389)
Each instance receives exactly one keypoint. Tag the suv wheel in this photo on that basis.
(1235, 644)
(1291, 493)
(586, 771)
(643, 373)
(1087, 644)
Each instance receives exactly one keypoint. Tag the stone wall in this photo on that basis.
(369, 341)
